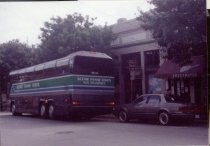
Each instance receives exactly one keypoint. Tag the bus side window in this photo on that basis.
(63, 70)
(38, 75)
(15, 79)
(29, 76)
(51, 72)
(66, 69)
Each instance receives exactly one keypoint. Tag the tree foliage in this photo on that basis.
(14, 55)
(62, 36)
(178, 26)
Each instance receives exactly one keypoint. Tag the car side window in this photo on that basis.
(140, 100)
(154, 99)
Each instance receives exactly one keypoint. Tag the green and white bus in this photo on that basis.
(81, 83)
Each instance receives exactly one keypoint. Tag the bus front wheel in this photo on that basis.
(43, 111)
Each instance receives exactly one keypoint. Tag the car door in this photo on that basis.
(138, 106)
(152, 105)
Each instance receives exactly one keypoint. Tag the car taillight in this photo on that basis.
(185, 109)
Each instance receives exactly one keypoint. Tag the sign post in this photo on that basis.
(135, 72)
(132, 77)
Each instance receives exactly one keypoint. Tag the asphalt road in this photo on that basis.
(32, 131)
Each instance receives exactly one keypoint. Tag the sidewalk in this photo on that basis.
(110, 117)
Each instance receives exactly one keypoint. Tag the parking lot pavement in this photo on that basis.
(209, 127)
(104, 130)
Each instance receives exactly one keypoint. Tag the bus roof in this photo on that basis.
(89, 54)
(60, 62)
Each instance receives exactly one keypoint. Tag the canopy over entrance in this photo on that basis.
(170, 69)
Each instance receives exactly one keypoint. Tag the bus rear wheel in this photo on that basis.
(14, 111)
(43, 111)
(51, 111)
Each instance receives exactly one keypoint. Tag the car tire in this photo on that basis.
(43, 111)
(163, 118)
(14, 111)
(51, 111)
(123, 116)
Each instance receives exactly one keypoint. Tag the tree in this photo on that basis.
(14, 55)
(62, 36)
(178, 26)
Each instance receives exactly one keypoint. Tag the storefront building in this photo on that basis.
(142, 69)
(139, 59)
(187, 84)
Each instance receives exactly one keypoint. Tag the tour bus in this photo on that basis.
(81, 83)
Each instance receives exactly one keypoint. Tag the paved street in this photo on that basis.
(32, 131)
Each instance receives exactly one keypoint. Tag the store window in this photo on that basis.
(152, 58)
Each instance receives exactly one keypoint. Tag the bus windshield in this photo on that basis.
(93, 66)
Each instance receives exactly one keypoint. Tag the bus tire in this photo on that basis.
(14, 111)
(51, 111)
(43, 111)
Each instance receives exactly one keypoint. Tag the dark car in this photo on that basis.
(156, 106)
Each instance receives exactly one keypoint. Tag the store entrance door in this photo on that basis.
(131, 71)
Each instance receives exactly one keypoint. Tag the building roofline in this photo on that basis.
(132, 44)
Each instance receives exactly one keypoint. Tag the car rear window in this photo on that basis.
(175, 100)
(170, 99)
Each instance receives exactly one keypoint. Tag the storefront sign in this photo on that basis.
(184, 75)
(135, 74)
(132, 64)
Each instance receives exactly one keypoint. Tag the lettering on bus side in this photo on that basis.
(35, 85)
(84, 80)
(27, 86)
(106, 80)
(94, 81)
(19, 86)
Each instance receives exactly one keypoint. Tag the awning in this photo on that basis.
(170, 69)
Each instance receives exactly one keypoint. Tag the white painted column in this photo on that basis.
(143, 73)
(192, 94)
(166, 84)
(121, 82)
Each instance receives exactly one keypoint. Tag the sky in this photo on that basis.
(23, 20)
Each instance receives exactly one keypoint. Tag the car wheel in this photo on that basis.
(123, 116)
(51, 111)
(163, 118)
(43, 111)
